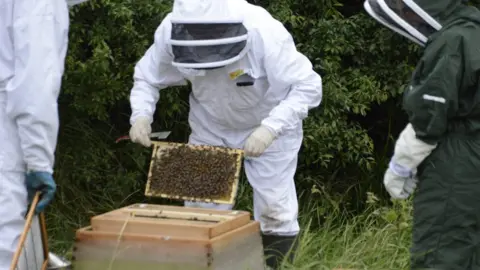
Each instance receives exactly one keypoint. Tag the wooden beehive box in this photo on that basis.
(163, 150)
(151, 237)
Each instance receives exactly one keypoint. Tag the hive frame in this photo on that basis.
(163, 145)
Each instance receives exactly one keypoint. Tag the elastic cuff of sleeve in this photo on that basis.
(274, 126)
(135, 117)
(31, 168)
(399, 170)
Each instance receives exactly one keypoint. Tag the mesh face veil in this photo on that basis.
(404, 17)
(207, 34)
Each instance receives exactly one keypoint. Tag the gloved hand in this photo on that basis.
(258, 141)
(140, 131)
(399, 181)
(400, 178)
(43, 182)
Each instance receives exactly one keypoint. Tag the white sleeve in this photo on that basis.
(152, 73)
(286, 67)
(409, 150)
(40, 39)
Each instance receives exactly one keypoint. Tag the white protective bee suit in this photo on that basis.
(251, 89)
(33, 45)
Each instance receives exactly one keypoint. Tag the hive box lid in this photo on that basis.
(170, 221)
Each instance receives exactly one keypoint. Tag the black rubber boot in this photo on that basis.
(276, 247)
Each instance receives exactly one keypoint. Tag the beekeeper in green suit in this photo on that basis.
(440, 146)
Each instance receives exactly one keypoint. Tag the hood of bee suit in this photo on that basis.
(208, 33)
(416, 19)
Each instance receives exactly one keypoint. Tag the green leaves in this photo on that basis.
(107, 38)
(355, 76)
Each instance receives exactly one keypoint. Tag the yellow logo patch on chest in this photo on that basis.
(235, 74)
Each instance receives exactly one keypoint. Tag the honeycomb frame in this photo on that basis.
(156, 155)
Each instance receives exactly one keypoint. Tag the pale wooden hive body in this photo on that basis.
(152, 237)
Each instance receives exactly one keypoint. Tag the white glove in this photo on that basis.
(140, 131)
(399, 182)
(258, 141)
(400, 178)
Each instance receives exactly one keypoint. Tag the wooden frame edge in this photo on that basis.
(233, 194)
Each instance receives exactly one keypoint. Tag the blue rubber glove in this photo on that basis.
(43, 182)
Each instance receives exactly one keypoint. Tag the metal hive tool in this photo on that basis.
(191, 163)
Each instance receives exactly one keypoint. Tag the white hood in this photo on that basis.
(208, 33)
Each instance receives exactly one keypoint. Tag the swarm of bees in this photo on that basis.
(183, 171)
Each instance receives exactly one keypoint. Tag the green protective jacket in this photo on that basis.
(443, 105)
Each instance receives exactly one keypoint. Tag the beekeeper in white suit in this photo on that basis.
(251, 89)
(33, 45)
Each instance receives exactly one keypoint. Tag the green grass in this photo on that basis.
(377, 238)
(358, 243)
